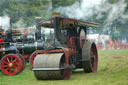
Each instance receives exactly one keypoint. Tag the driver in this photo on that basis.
(71, 31)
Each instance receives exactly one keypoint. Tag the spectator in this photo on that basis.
(115, 44)
(106, 45)
(111, 44)
(98, 45)
(124, 42)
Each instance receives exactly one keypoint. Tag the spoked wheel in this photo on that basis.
(90, 57)
(54, 62)
(11, 64)
(23, 61)
(32, 57)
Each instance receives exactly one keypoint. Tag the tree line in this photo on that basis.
(29, 9)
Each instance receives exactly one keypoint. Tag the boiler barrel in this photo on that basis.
(28, 48)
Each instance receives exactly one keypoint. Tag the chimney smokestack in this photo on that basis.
(9, 31)
(38, 29)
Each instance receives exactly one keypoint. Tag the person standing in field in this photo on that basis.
(115, 44)
(106, 45)
(111, 44)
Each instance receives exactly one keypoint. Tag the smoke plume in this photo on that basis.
(96, 10)
(5, 23)
(20, 23)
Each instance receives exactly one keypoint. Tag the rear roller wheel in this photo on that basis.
(90, 57)
(11, 64)
(51, 61)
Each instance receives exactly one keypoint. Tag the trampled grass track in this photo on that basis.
(112, 70)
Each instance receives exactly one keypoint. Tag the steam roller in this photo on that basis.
(68, 49)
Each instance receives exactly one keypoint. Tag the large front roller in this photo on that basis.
(89, 57)
(11, 64)
(51, 67)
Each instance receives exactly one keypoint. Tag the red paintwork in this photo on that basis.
(23, 61)
(26, 56)
(67, 73)
(71, 42)
(32, 58)
(10, 70)
(1, 40)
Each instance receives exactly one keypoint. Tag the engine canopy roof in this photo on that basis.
(64, 23)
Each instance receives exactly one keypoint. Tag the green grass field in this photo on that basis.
(112, 70)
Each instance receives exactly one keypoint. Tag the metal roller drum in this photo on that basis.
(50, 66)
